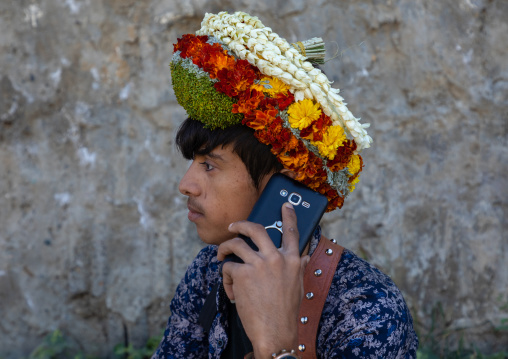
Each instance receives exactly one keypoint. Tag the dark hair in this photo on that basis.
(194, 139)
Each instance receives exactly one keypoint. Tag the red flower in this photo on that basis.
(248, 101)
(214, 58)
(315, 130)
(234, 81)
(190, 45)
(341, 159)
(283, 101)
(261, 120)
(278, 135)
(267, 103)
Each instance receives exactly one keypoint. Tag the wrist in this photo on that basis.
(283, 354)
(271, 350)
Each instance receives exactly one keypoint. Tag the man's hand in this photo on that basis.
(268, 286)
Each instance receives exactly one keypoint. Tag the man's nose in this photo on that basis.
(188, 184)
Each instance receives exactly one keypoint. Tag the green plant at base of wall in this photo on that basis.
(56, 346)
(436, 344)
(129, 352)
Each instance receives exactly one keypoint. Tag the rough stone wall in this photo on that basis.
(93, 232)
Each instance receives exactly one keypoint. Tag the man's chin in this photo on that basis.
(215, 239)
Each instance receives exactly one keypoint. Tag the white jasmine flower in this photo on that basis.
(298, 84)
(307, 66)
(314, 72)
(251, 43)
(258, 48)
(299, 95)
(251, 58)
(322, 79)
(286, 77)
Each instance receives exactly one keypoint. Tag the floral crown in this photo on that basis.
(237, 71)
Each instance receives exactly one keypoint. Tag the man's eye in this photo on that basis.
(208, 167)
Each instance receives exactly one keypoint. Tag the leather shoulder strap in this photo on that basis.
(316, 283)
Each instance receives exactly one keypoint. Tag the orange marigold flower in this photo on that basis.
(268, 103)
(314, 165)
(315, 131)
(292, 144)
(343, 155)
(247, 101)
(215, 58)
(334, 202)
(261, 136)
(293, 161)
(190, 45)
(281, 136)
(262, 119)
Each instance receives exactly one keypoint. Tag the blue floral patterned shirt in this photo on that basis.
(365, 315)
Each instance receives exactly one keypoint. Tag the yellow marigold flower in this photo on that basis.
(303, 113)
(260, 86)
(277, 86)
(333, 138)
(353, 183)
(271, 85)
(354, 164)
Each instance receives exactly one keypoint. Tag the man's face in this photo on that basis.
(220, 192)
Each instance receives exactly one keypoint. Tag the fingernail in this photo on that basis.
(288, 205)
(229, 227)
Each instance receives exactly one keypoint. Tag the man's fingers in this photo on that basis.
(256, 232)
(227, 280)
(291, 237)
(235, 246)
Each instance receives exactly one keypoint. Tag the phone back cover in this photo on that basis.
(267, 210)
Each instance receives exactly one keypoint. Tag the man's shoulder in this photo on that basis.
(365, 312)
(356, 272)
(361, 288)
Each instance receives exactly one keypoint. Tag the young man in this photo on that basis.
(257, 108)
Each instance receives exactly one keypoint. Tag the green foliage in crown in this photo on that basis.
(201, 100)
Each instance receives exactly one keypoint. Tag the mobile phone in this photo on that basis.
(309, 207)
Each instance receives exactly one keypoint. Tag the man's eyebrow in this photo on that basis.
(215, 156)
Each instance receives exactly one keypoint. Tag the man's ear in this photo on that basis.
(288, 173)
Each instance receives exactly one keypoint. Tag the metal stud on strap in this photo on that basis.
(329, 252)
(333, 240)
(318, 272)
(309, 295)
(304, 320)
(301, 347)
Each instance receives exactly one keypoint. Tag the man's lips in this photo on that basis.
(195, 212)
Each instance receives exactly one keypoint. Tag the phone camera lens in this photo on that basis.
(295, 199)
(283, 193)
